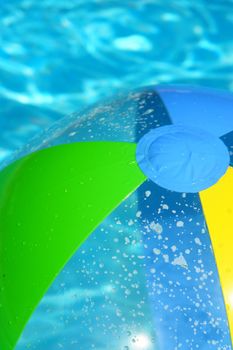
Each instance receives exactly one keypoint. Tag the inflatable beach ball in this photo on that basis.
(116, 227)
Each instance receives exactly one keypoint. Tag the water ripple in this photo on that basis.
(59, 56)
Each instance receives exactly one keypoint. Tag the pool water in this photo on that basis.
(58, 56)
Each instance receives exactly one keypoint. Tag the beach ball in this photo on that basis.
(116, 227)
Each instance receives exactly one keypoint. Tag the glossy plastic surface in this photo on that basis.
(50, 202)
(147, 273)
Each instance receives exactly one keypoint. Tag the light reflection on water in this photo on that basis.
(56, 57)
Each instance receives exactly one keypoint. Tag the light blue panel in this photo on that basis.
(125, 118)
(204, 108)
(181, 274)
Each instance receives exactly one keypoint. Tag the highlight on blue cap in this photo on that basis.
(182, 159)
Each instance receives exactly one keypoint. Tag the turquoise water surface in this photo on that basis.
(58, 56)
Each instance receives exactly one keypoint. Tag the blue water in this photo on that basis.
(58, 56)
